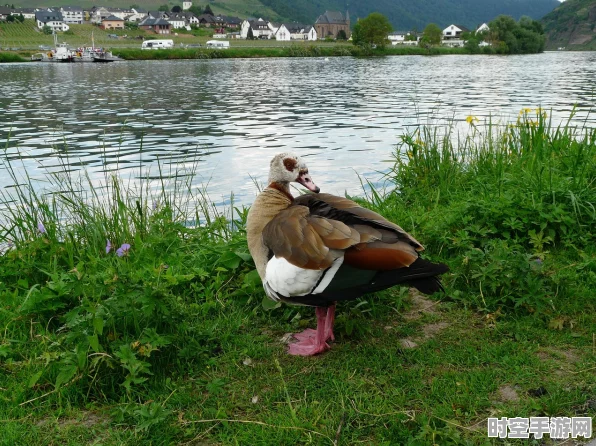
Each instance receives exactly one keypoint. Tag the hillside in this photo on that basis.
(403, 14)
(572, 25)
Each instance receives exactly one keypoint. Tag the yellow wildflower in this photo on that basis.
(471, 119)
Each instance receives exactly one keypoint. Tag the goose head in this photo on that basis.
(287, 168)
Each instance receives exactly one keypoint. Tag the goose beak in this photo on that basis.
(306, 181)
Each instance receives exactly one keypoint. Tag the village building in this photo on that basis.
(5, 12)
(295, 31)
(403, 38)
(186, 5)
(454, 32)
(53, 19)
(483, 27)
(331, 23)
(138, 15)
(112, 22)
(158, 26)
(177, 20)
(261, 29)
(72, 14)
(27, 13)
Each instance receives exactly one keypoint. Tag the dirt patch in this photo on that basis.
(508, 393)
(420, 305)
(407, 343)
(566, 356)
(431, 330)
(86, 419)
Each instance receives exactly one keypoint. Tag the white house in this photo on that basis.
(295, 31)
(27, 13)
(53, 19)
(282, 33)
(483, 27)
(454, 32)
(403, 38)
(72, 14)
(397, 37)
(177, 21)
(137, 16)
(311, 33)
(261, 29)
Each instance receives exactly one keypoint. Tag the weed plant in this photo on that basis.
(509, 208)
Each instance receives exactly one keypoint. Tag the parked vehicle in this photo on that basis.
(157, 44)
(220, 44)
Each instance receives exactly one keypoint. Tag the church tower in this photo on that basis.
(186, 5)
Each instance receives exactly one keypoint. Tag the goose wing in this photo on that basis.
(305, 240)
(364, 220)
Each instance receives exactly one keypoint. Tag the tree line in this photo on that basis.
(505, 35)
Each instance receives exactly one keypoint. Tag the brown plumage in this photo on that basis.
(318, 248)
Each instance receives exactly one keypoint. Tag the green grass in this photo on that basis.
(169, 344)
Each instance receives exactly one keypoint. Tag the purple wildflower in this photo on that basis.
(108, 246)
(41, 228)
(123, 250)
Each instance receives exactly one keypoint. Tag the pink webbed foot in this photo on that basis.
(308, 347)
(312, 342)
(306, 334)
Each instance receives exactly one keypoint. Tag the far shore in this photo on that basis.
(252, 52)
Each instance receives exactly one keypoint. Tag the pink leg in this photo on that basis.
(329, 323)
(316, 344)
(310, 333)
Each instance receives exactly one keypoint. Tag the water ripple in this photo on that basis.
(345, 115)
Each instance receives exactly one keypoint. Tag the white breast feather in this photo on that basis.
(290, 280)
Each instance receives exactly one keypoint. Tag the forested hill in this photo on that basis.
(403, 14)
(408, 14)
(572, 25)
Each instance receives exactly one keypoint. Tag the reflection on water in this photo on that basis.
(345, 114)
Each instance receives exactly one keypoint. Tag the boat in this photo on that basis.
(62, 53)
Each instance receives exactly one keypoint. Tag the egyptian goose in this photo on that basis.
(318, 249)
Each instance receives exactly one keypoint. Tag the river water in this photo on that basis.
(344, 114)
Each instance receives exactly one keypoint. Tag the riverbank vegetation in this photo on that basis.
(135, 316)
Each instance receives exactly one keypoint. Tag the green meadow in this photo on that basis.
(163, 336)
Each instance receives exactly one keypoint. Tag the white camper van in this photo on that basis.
(221, 44)
(157, 44)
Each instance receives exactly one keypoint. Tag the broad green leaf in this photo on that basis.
(269, 304)
(98, 325)
(94, 342)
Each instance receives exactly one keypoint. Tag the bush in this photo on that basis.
(500, 204)
(117, 290)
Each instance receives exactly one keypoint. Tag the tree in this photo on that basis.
(207, 10)
(10, 18)
(372, 30)
(196, 10)
(176, 9)
(46, 29)
(164, 8)
(510, 37)
(250, 35)
(431, 35)
(20, 18)
(341, 35)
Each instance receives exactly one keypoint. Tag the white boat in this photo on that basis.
(62, 53)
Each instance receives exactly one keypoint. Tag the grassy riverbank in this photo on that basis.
(257, 52)
(166, 342)
(312, 50)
